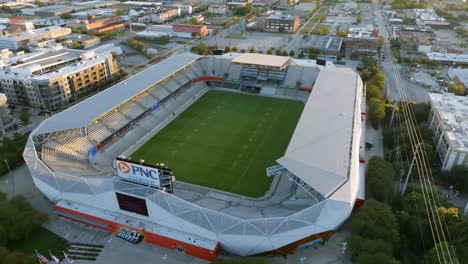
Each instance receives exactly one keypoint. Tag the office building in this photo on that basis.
(282, 23)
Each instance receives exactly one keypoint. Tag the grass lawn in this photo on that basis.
(218, 20)
(226, 141)
(41, 240)
(235, 35)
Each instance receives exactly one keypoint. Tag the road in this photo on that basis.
(296, 39)
(390, 67)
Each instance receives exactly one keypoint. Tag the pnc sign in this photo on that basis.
(138, 173)
(123, 167)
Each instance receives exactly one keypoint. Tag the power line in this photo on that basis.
(431, 200)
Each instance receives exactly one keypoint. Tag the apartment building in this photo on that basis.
(20, 40)
(50, 78)
(448, 121)
(282, 23)
(5, 117)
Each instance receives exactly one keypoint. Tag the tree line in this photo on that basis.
(11, 152)
(375, 83)
(18, 221)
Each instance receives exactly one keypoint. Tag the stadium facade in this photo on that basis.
(66, 155)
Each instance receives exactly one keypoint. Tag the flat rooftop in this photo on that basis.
(439, 56)
(453, 111)
(281, 17)
(330, 43)
(33, 32)
(262, 60)
(47, 58)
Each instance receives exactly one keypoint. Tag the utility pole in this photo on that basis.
(12, 178)
(408, 175)
(393, 113)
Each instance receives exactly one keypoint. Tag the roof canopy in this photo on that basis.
(82, 114)
(320, 149)
(262, 60)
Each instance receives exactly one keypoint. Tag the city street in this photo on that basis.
(414, 93)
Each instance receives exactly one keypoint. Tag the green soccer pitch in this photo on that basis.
(225, 141)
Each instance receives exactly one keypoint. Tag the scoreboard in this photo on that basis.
(154, 176)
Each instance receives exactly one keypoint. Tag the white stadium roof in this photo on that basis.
(320, 149)
(82, 114)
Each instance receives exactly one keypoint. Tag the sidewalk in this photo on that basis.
(375, 138)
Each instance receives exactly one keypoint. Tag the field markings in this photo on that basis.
(268, 131)
(251, 143)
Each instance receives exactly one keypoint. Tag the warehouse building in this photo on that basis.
(328, 45)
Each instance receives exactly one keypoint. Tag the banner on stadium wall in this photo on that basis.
(138, 173)
(92, 153)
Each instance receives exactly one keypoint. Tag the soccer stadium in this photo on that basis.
(247, 153)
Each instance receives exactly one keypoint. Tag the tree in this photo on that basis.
(19, 258)
(193, 21)
(137, 44)
(208, 14)
(376, 111)
(313, 53)
(301, 55)
(24, 117)
(381, 40)
(200, 49)
(377, 257)
(243, 10)
(359, 19)
(66, 16)
(456, 89)
(243, 51)
(120, 11)
(252, 50)
(372, 91)
(39, 3)
(3, 253)
(278, 52)
(380, 176)
(442, 252)
(378, 79)
(234, 49)
(227, 49)
(342, 34)
(284, 53)
(374, 224)
(291, 53)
